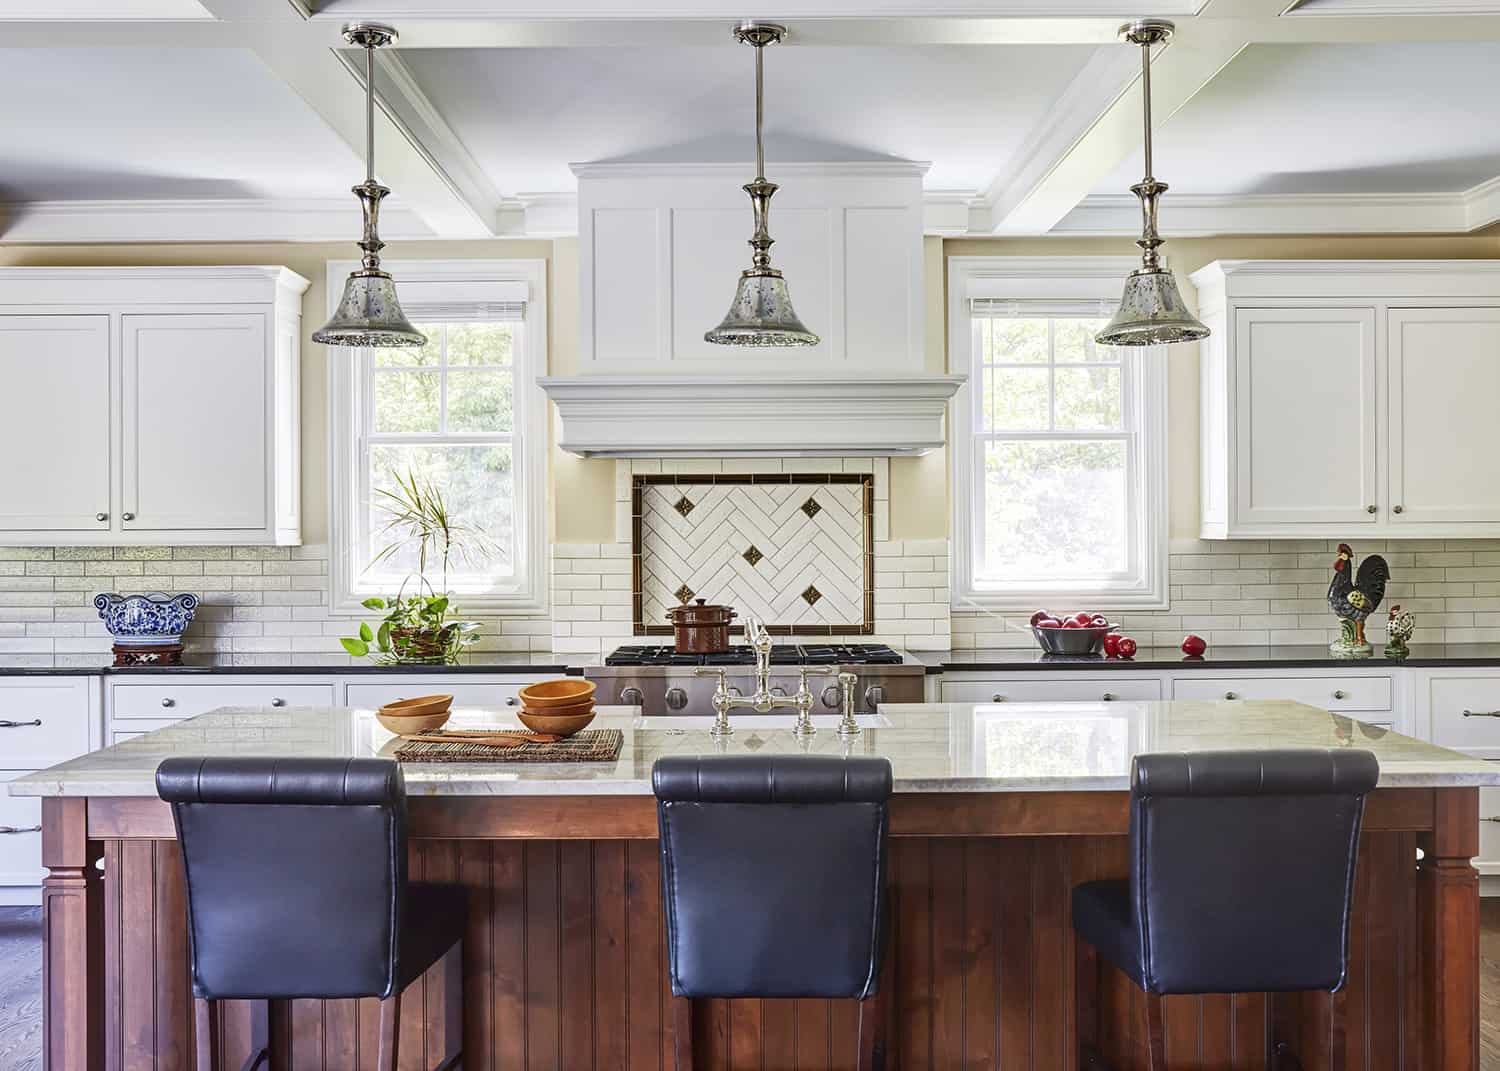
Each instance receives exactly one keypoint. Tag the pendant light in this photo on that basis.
(761, 313)
(1151, 311)
(369, 314)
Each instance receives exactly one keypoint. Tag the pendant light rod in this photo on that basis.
(370, 112)
(760, 111)
(1146, 92)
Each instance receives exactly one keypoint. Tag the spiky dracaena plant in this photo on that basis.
(416, 627)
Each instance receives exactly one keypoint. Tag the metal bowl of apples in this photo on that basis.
(1070, 634)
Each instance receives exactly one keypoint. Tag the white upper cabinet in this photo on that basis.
(1349, 397)
(161, 406)
(57, 472)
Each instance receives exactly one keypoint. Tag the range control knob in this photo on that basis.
(631, 697)
(874, 696)
(831, 697)
(676, 698)
(779, 692)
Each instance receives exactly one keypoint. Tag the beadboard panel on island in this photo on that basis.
(259, 605)
(1240, 593)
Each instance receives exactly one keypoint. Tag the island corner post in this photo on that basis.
(563, 964)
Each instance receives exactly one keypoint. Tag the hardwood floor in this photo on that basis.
(20, 989)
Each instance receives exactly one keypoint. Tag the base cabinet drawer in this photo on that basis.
(1326, 693)
(44, 720)
(1466, 714)
(20, 837)
(175, 701)
(492, 693)
(1079, 688)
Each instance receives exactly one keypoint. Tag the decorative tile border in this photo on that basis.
(767, 528)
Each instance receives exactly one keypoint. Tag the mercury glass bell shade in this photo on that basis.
(1151, 313)
(761, 314)
(369, 314)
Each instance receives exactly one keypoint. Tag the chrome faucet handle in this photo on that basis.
(847, 725)
(804, 700)
(721, 701)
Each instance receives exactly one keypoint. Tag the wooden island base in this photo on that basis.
(563, 963)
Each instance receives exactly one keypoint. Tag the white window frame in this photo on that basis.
(527, 594)
(1056, 281)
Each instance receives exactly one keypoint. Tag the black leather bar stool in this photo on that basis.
(1241, 876)
(296, 888)
(773, 881)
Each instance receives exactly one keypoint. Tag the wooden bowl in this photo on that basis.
(404, 725)
(563, 710)
(565, 691)
(558, 725)
(418, 707)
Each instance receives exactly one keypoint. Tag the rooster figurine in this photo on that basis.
(1353, 597)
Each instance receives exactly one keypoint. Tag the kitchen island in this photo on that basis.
(999, 811)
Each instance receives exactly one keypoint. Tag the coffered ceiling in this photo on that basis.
(239, 119)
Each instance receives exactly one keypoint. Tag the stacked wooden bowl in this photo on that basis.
(561, 707)
(405, 717)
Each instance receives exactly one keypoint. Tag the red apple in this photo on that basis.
(1049, 622)
(1126, 648)
(1040, 616)
(1084, 619)
(1099, 621)
(1111, 645)
(1194, 646)
(1072, 622)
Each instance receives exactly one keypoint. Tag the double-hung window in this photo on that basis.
(1059, 459)
(461, 415)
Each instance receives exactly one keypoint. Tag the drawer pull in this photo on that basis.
(510, 700)
(277, 701)
(1108, 697)
(1496, 818)
(1231, 695)
(1482, 713)
(997, 698)
(1341, 694)
(35, 722)
(169, 702)
(12, 831)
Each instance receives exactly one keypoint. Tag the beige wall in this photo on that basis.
(582, 492)
(1187, 255)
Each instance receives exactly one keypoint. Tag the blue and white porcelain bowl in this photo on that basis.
(151, 620)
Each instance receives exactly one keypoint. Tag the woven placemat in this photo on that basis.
(590, 745)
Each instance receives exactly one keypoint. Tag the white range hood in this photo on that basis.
(660, 249)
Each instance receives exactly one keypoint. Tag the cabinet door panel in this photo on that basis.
(1444, 376)
(1305, 410)
(195, 422)
(56, 406)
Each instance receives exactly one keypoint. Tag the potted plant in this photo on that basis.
(417, 626)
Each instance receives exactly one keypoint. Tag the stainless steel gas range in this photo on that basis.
(662, 682)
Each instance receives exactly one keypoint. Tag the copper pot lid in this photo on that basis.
(700, 612)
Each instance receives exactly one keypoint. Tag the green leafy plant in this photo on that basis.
(417, 627)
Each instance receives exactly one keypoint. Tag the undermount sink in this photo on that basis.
(692, 723)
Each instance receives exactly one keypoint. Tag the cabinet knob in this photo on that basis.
(1398, 509)
(101, 516)
(997, 698)
(1108, 697)
(169, 702)
(510, 700)
(1231, 695)
(277, 701)
(127, 516)
(1369, 509)
(1341, 694)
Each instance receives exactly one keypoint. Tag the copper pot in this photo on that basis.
(699, 628)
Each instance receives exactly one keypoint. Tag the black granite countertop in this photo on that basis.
(1156, 659)
(295, 665)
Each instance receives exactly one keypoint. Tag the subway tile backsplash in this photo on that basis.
(1246, 593)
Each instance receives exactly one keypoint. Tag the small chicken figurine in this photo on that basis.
(1399, 626)
(1354, 597)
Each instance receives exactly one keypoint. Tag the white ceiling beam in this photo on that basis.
(332, 84)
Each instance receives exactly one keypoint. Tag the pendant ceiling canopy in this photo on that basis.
(761, 313)
(1151, 311)
(369, 313)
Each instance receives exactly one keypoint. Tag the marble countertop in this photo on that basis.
(933, 747)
